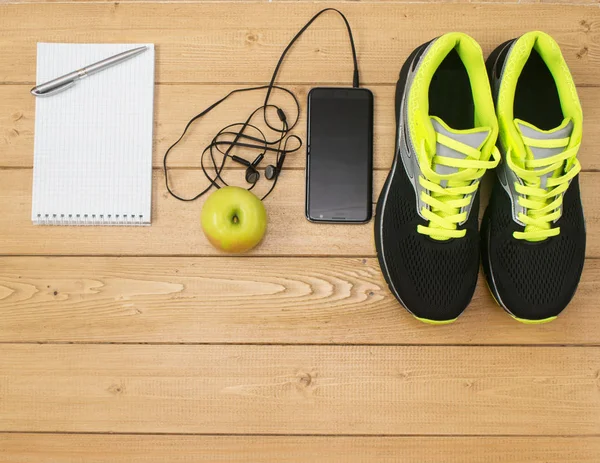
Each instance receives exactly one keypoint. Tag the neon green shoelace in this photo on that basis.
(543, 204)
(446, 203)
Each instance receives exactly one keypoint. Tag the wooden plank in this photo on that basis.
(175, 226)
(212, 42)
(140, 1)
(73, 448)
(233, 1)
(173, 110)
(569, 2)
(300, 389)
(259, 300)
(566, 2)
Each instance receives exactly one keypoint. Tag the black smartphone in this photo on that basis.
(339, 148)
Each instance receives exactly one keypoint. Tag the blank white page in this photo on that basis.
(93, 142)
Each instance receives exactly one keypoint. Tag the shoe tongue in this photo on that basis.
(564, 130)
(472, 137)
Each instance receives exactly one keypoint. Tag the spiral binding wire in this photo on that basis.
(89, 219)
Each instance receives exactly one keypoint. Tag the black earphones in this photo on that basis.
(222, 144)
(271, 171)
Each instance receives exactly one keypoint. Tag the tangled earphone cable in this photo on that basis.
(230, 137)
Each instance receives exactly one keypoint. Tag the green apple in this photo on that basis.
(233, 219)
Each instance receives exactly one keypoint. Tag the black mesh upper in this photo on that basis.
(436, 272)
(546, 286)
(434, 279)
(534, 280)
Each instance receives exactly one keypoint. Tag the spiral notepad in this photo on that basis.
(93, 142)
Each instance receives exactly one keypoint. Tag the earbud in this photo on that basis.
(252, 174)
(271, 171)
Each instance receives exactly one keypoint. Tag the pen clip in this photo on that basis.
(35, 90)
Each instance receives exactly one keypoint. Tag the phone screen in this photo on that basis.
(339, 155)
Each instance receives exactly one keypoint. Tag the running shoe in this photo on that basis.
(426, 227)
(533, 230)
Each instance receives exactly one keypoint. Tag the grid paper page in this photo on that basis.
(93, 142)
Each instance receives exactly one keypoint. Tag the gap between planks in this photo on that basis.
(243, 434)
(289, 344)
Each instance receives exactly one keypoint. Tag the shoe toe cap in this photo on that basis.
(536, 281)
(434, 280)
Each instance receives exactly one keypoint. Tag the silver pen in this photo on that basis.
(68, 80)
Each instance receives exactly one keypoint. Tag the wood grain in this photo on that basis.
(176, 104)
(300, 389)
(69, 448)
(264, 358)
(258, 300)
(570, 2)
(583, 2)
(175, 226)
(213, 42)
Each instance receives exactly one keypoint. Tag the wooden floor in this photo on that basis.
(146, 345)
